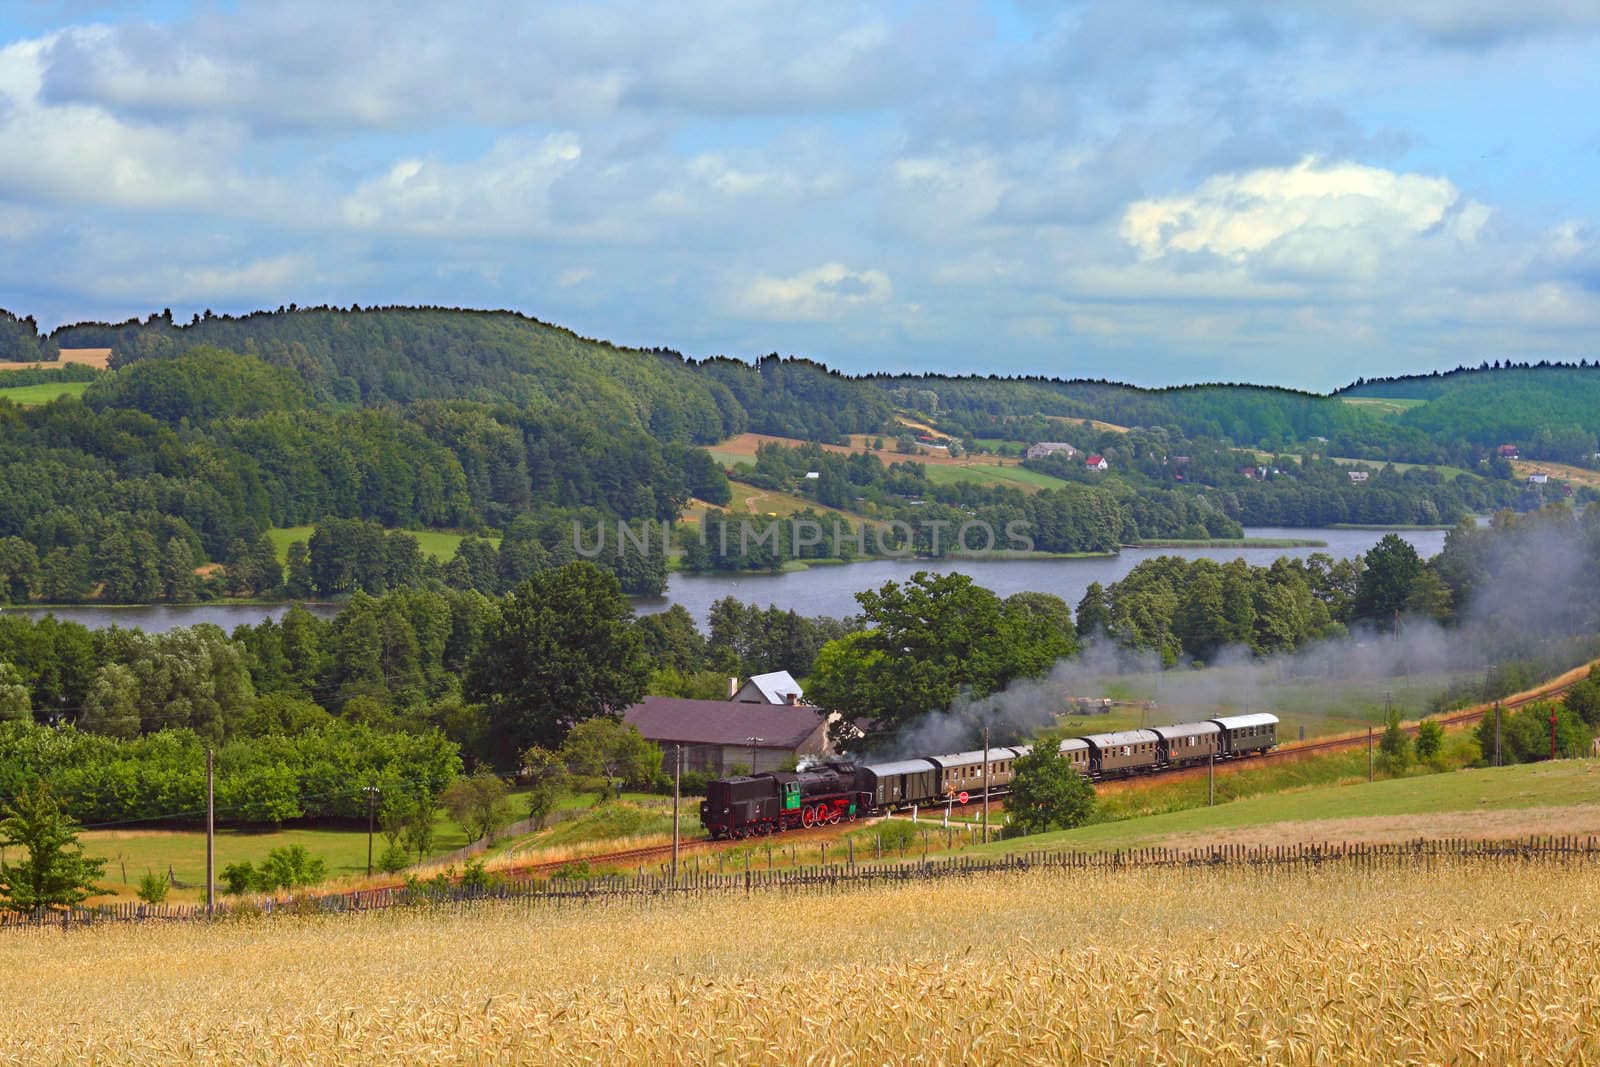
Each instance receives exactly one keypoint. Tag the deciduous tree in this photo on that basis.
(55, 872)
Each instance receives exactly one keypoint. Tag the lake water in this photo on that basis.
(831, 590)
(826, 590)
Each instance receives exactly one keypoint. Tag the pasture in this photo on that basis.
(1043, 967)
(1383, 405)
(439, 544)
(33, 395)
(1330, 799)
(98, 358)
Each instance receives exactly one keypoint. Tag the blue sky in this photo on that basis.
(1296, 193)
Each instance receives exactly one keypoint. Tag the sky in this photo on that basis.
(1296, 193)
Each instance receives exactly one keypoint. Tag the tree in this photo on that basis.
(1393, 569)
(1395, 746)
(1430, 740)
(1583, 699)
(546, 776)
(1094, 616)
(16, 700)
(613, 750)
(1047, 792)
(478, 803)
(933, 640)
(56, 873)
(562, 649)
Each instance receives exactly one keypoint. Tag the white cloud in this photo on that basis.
(82, 154)
(824, 293)
(1240, 216)
(574, 276)
(506, 192)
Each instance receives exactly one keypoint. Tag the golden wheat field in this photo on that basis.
(1462, 963)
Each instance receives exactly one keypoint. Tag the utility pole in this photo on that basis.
(1372, 765)
(986, 783)
(372, 792)
(1211, 780)
(1497, 733)
(753, 742)
(677, 784)
(1552, 735)
(211, 835)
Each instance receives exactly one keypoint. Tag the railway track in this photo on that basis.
(1289, 752)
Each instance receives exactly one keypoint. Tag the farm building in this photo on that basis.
(1538, 478)
(1509, 452)
(778, 687)
(1096, 462)
(1050, 448)
(1358, 476)
(717, 734)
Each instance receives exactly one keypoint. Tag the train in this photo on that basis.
(835, 790)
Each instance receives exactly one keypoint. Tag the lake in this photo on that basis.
(830, 590)
(827, 590)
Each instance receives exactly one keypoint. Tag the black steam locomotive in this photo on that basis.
(829, 792)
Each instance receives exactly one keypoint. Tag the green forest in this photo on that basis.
(162, 481)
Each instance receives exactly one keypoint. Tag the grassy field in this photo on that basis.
(1576, 475)
(32, 395)
(1384, 405)
(1448, 473)
(1559, 797)
(990, 474)
(130, 853)
(435, 543)
(1459, 962)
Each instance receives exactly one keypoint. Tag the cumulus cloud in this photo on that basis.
(1163, 190)
(823, 293)
(1312, 219)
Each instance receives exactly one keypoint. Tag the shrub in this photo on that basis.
(153, 888)
(395, 858)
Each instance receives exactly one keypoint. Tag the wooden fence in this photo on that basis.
(557, 891)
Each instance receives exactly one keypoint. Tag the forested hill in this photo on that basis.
(1554, 409)
(396, 356)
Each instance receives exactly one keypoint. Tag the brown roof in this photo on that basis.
(722, 722)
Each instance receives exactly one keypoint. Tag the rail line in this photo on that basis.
(1288, 752)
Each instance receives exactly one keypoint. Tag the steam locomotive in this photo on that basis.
(825, 793)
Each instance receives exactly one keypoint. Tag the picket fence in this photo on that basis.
(834, 878)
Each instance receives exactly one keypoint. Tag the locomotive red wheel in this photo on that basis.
(833, 817)
(808, 817)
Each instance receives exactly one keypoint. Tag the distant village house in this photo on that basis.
(1050, 448)
(1357, 476)
(1508, 452)
(1096, 463)
(1538, 478)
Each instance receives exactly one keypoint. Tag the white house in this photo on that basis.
(778, 687)
(1357, 476)
(1049, 448)
(1538, 478)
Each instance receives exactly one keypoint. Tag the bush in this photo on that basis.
(289, 867)
(1430, 740)
(694, 783)
(153, 888)
(395, 858)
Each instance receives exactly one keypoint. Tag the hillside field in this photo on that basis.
(1498, 802)
(1384, 405)
(1223, 965)
(30, 395)
(436, 543)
